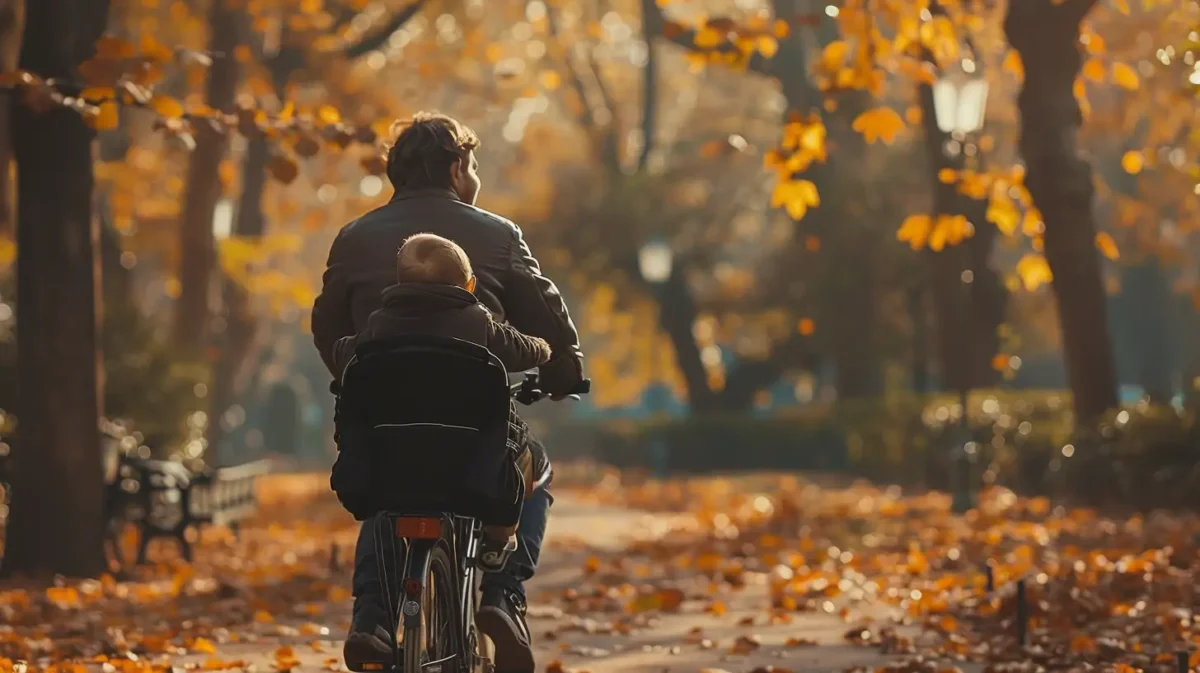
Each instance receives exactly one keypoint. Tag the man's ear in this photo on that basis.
(471, 284)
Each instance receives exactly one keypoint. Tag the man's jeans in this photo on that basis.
(370, 601)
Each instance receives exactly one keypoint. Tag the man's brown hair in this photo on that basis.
(429, 258)
(424, 149)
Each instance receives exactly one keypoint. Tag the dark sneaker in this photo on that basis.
(369, 650)
(502, 618)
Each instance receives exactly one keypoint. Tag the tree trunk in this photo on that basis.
(1046, 35)
(677, 314)
(12, 22)
(56, 525)
(197, 255)
(239, 324)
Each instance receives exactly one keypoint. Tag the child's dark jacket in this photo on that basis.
(449, 311)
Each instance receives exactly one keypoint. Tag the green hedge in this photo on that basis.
(1141, 457)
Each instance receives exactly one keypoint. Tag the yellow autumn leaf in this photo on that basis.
(833, 55)
(1033, 271)
(1033, 226)
(1080, 91)
(98, 93)
(947, 176)
(203, 645)
(1094, 70)
(1125, 77)
(8, 252)
(328, 114)
(949, 230)
(795, 196)
(167, 107)
(550, 79)
(881, 123)
(1122, 6)
(708, 37)
(1003, 213)
(1107, 246)
(915, 231)
(107, 116)
(1014, 65)
(767, 45)
(1133, 162)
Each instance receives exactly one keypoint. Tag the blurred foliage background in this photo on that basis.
(776, 252)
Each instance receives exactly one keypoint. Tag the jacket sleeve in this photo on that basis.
(517, 351)
(533, 304)
(332, 314)
(343, 350)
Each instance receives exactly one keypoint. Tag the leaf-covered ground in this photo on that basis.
(723, 574)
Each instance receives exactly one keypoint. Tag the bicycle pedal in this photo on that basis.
(492, 557)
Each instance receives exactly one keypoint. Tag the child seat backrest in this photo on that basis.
(427, 417)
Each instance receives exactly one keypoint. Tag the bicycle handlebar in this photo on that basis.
(527, 392)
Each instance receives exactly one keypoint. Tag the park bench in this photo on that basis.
(158, 498)
(164, 499)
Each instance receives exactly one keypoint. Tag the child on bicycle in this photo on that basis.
(433, 296)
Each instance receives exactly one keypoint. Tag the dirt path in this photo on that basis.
(597, 635)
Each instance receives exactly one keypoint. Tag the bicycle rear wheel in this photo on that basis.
(435, 641)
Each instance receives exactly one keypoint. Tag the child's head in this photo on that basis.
(428, 258)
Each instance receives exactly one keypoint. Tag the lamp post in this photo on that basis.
(960, 105)
(656, 262)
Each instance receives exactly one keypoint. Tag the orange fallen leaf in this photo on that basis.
(203, 646)
(746, 644)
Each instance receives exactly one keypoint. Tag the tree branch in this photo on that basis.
(649, 85)
(686, 38)
(377, 38)
(602, 134)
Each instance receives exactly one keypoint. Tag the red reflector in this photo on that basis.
(413, 528)
(412, 587)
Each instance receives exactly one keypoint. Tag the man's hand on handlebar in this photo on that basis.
(560, 376)
(528, 391)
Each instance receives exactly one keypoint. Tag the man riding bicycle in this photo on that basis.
(433, 168)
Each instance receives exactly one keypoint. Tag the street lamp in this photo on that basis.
(222, 223)
(960, 106)
(656, 262)
(960, 100)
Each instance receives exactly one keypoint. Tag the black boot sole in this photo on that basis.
(513, 655)
(365, 653)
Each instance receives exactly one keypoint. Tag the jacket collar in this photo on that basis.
(425, 192)
(424, 297)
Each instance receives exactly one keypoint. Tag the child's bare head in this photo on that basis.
(428, 258)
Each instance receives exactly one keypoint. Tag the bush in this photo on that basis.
(724, 443)
(1137, 458)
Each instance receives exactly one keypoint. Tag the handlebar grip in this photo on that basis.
(582, 388)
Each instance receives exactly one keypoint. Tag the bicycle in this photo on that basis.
(439, 581)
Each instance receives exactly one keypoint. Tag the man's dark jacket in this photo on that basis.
(509, 281)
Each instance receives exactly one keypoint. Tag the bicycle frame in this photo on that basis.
(463, 535)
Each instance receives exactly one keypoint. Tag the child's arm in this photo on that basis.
(517, 351)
